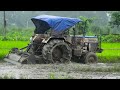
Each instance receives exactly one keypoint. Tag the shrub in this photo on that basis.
(111, 38)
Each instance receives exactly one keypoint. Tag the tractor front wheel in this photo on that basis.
(90, 58)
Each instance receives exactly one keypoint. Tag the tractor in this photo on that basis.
(55, 40)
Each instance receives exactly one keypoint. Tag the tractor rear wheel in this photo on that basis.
(57, 51)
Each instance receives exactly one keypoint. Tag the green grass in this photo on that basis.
(12, 76)
(7, 77)
(5, 46)
(109, 55)
(111, 45)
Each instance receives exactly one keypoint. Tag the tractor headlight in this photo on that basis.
(44, 41)
(86, 44)
(31, 39)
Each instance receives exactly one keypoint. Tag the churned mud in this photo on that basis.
(60, 71)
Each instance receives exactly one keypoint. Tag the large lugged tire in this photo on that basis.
(56, 51)
(90, 58)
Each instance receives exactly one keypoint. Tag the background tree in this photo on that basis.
(115, 19)
(85, 24)
(22, 18)
(95, 29)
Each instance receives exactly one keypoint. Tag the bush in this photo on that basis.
(111, 38)
(24, 34)
(17, 34)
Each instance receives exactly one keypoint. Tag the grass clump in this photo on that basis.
(7, 76)
(56, 76)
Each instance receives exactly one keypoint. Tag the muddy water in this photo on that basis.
(60, 71)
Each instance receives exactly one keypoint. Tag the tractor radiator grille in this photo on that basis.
(93, 47)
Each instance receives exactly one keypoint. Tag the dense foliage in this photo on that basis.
(17, 34)
(88, 26)
(115, 19)
(111, 38)
(24, 34)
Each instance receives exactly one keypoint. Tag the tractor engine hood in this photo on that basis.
(56, 23)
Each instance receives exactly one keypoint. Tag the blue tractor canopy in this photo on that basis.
(56, 23)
